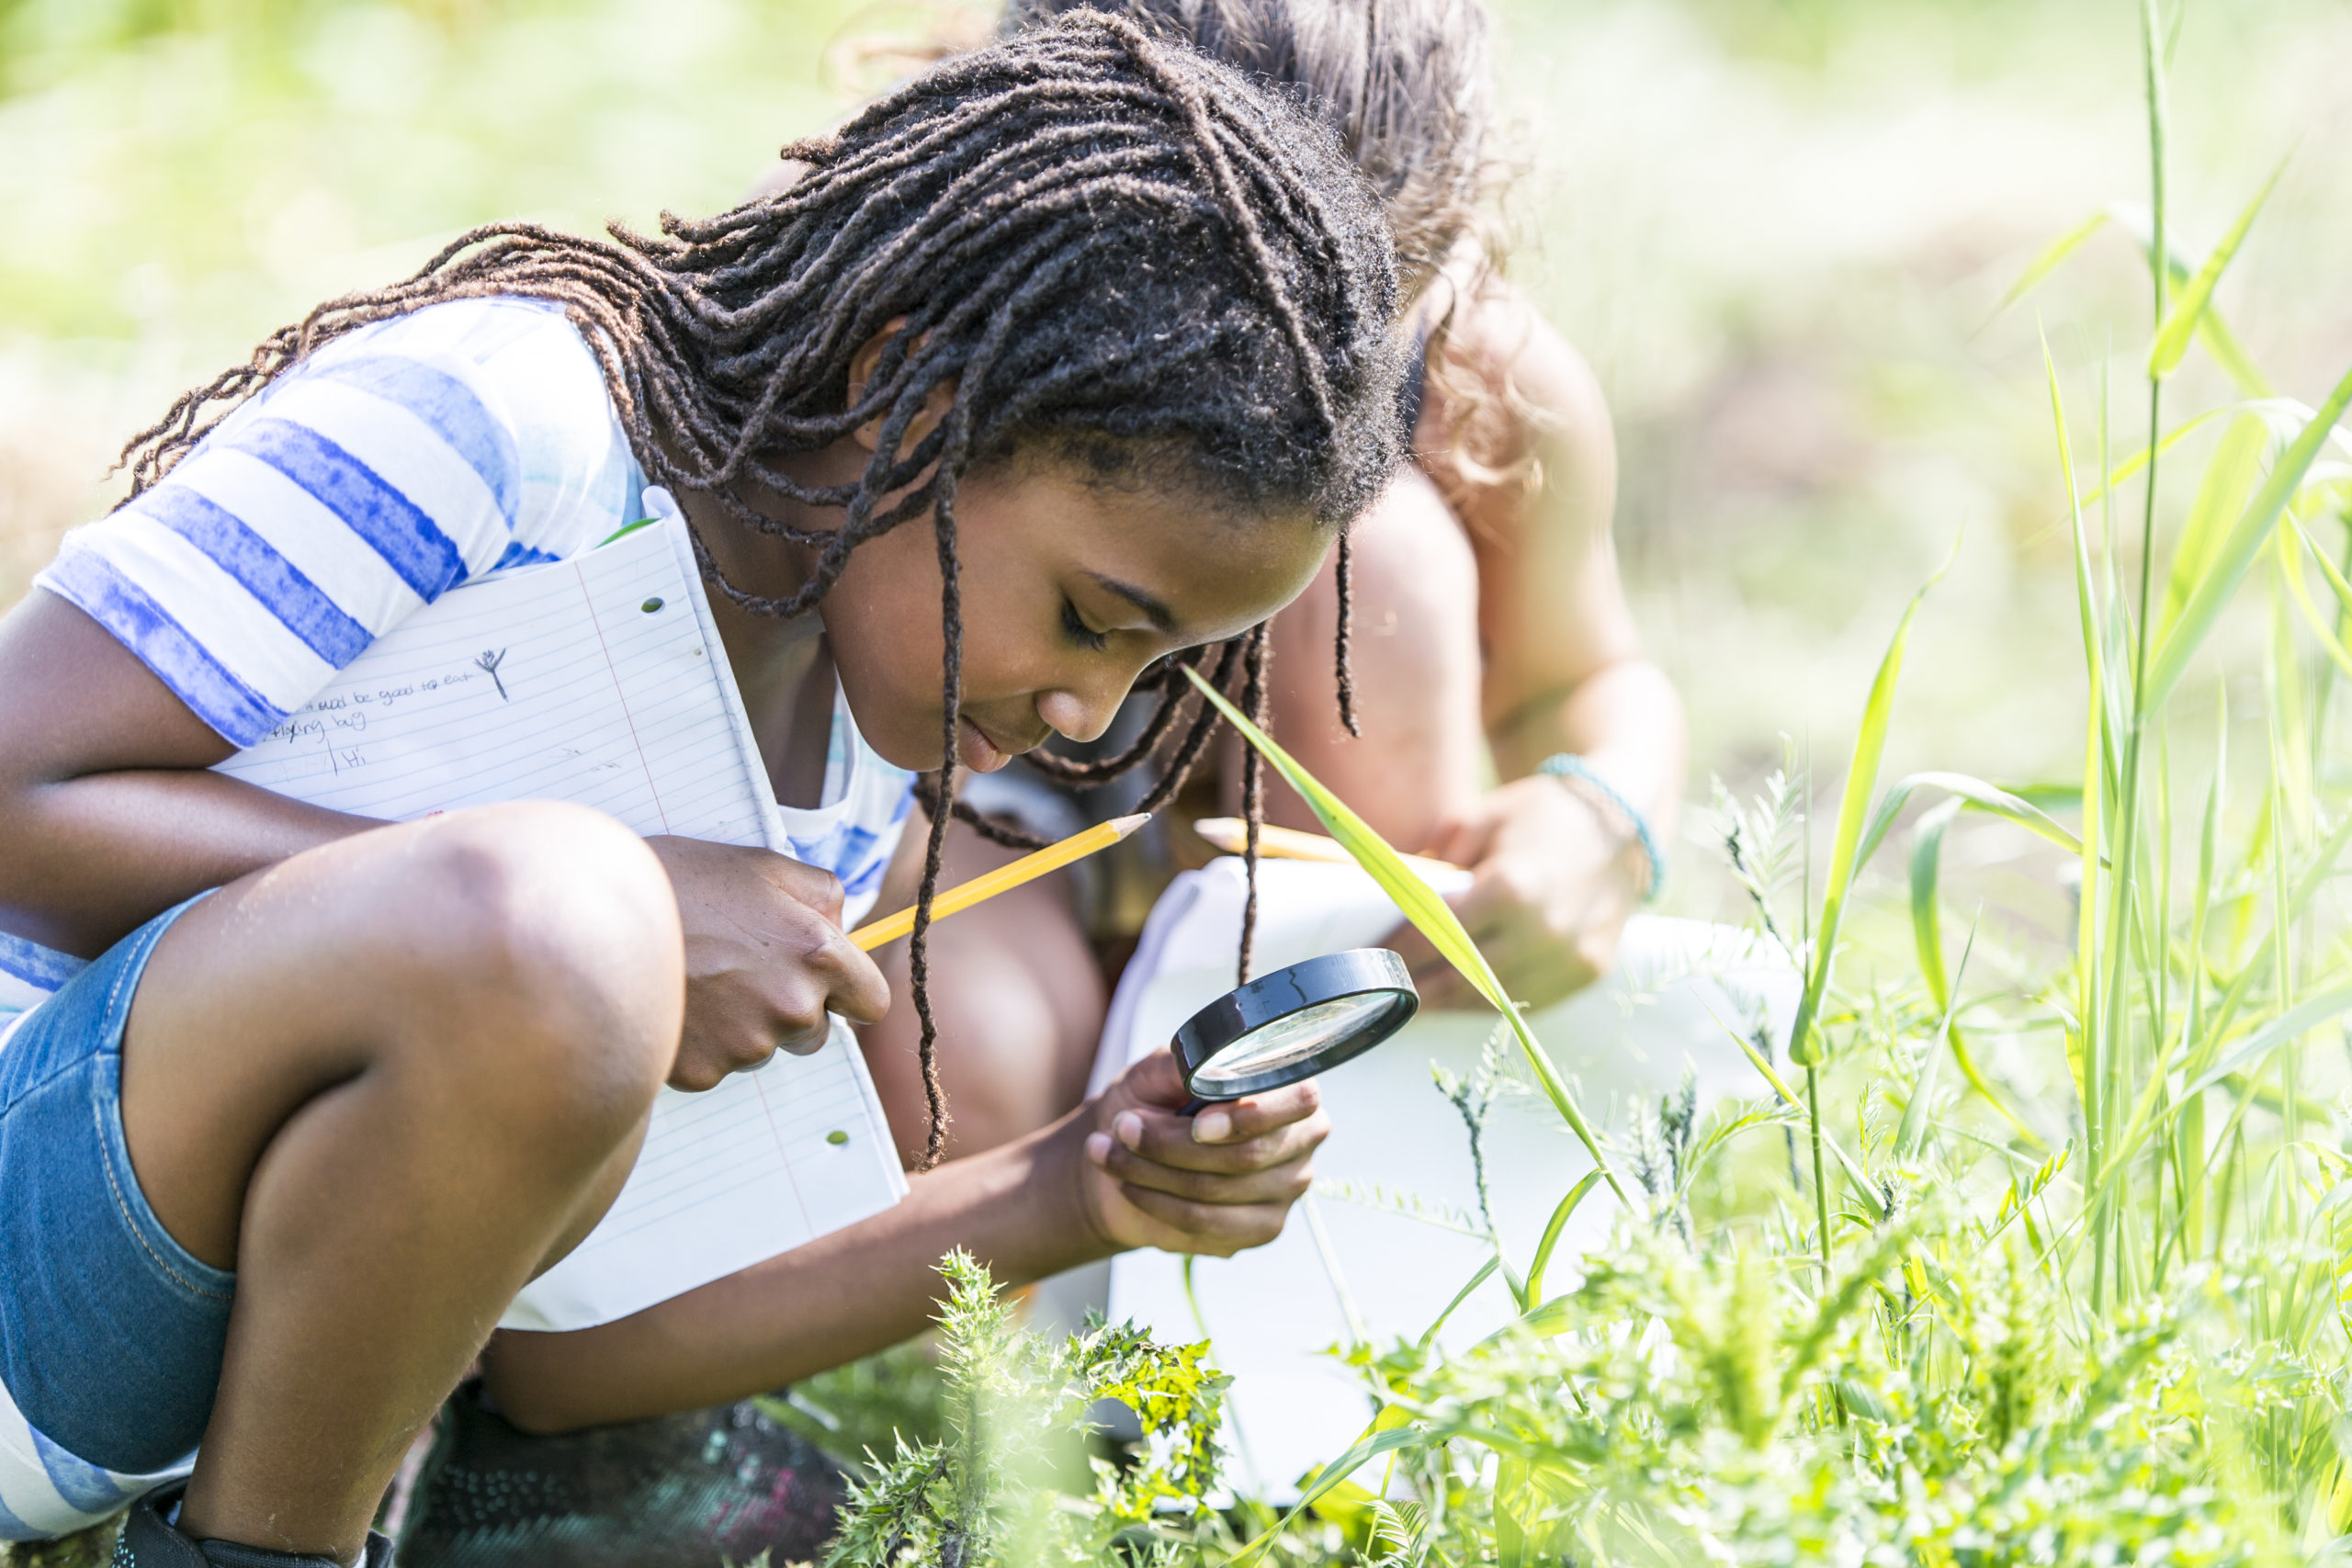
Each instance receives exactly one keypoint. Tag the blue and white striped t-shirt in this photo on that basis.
(387, 468)
(383, 470)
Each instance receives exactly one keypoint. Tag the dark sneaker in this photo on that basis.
(146, 1542)
(690, 1491)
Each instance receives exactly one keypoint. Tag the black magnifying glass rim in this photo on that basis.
(1335, 977)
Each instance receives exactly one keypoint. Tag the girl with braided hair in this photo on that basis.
(1064, 361)
(1480, 596)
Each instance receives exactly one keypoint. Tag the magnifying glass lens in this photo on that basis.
(1294, 1023)
(1291, 1038)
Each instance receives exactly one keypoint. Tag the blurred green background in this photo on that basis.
(1778, 228)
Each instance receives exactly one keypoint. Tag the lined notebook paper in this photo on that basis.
(601, 681)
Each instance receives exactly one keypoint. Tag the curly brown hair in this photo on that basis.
(1408, 86)
(1406, 83)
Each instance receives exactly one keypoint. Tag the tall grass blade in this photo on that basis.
(1927, 935)
(1853, 809)
(1431, 915)
(1486, 1271)
(2081, 1037)
(2171, 339)
(2305, 1015)
(2237, 554)
(2056, 252)
(2320, 870)
(1514, 1544)
(2219, 341)
(1551, 1230)
(2292, 547)
(1384, 1435)
(2124, 470)
(1795, 1101)
(1971, 791)
(2206, 323)
(1913, 1130)
(2336, 581)
(2229, 479)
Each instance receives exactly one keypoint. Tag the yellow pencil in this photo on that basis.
(1230, 833)
(1003, 879)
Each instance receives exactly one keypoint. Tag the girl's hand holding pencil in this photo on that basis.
(766, 958)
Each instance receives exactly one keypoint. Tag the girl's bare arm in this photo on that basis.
(1124, 1170)
(1488, 600)
(1535, 487)
(841, 1296)
(107, 814)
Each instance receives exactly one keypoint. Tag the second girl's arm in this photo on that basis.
(1564, 670)
(1487, 597)
(1488, 606)
(109, 813)
(1560, 864)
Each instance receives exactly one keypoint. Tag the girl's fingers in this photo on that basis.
(1237, 1121)
(1281, 1182)
(854, 982)
(1165, 1139)
(1154, 1080)
(1221, 1229)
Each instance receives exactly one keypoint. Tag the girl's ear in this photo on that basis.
(861, 371)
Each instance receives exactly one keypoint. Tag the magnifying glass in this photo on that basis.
(1294, 1023)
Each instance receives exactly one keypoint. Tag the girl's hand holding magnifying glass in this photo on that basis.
(1218, 1182)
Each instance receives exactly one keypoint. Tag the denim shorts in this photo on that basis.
(110, 1333)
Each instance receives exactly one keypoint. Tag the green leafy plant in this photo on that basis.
(1000, 1485)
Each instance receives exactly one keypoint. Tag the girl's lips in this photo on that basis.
(976, 751)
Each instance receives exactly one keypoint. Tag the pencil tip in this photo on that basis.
(1126, 825)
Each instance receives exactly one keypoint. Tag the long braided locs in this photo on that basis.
(1118, 254)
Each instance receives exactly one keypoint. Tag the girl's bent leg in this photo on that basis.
(387, 1082)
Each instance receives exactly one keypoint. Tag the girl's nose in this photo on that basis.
(1080, 714)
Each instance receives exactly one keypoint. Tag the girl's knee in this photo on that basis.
(545, 944)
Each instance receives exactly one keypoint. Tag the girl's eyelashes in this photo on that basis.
(1086, 636)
